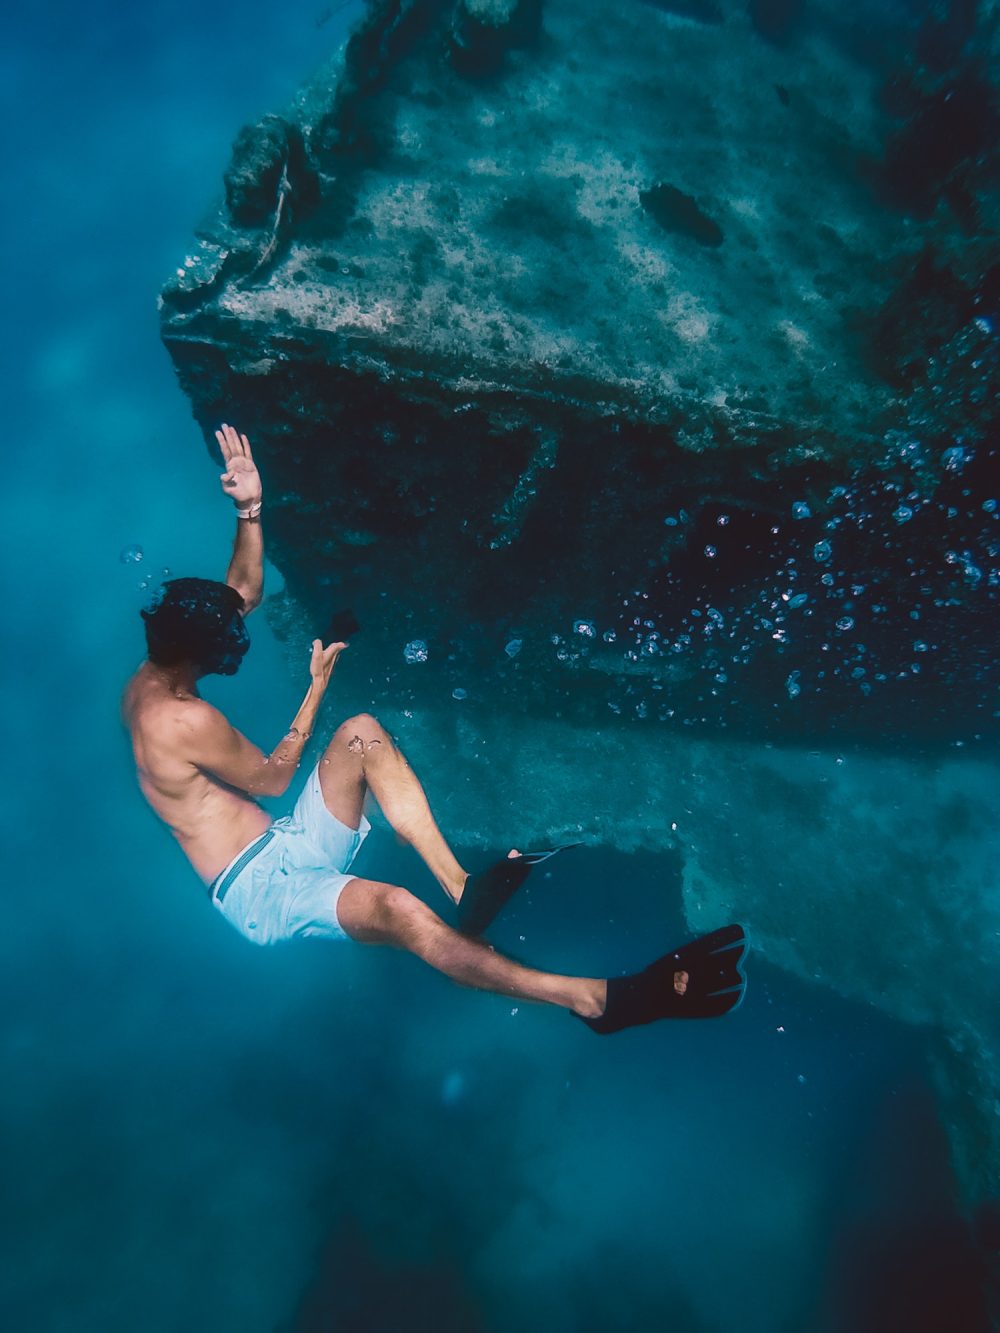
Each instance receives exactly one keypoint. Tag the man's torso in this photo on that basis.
(212, 822)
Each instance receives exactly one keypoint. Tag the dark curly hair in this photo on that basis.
(199, 621)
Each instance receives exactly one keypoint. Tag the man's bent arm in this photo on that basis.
(217, 748)
(286, 755)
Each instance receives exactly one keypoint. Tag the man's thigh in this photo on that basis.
(342, 771)
(325, 836)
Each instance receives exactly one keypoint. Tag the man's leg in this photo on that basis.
(374, 913)
(362, 756)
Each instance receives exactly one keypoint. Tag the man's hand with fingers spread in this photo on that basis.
(323, 661)
(241, 480)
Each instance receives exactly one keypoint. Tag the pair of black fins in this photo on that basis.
(712, 963)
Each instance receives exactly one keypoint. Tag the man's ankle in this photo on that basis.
(590, 998)
(454, 888)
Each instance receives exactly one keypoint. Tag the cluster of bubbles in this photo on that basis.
(840, 605)
(134, 555)
(417, 651)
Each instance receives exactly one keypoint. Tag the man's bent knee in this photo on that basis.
(376, 913)
(396, 908)
(361, 734)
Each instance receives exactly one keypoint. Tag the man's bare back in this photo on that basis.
(210, 820)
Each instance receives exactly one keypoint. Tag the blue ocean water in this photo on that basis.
(198, 1135)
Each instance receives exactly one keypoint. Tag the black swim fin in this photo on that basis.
(715, 984)
(485, 895)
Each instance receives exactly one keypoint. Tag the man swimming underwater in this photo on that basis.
(276, 879)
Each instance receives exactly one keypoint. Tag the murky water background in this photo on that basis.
(199, 1135)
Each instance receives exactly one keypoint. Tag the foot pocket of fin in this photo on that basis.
(486, 894)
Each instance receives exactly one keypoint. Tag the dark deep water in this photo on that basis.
(203, 1136)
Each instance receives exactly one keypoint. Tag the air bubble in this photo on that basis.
(513, 647)
(459, 693)
(415, 651)
(822, 552)
(130, 555)
(801, 510)
(585, 627)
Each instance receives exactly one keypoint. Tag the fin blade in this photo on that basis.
(716, 986)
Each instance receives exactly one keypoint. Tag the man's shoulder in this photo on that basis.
(175, 715)
(192, 713)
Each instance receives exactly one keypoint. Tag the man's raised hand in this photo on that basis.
(241, 480)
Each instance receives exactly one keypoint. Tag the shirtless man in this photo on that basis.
(276, 879)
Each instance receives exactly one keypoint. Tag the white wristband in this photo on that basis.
(252, 512)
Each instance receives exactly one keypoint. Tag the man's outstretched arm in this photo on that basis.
(241, 482)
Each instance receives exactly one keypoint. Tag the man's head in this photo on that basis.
(197, 621)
